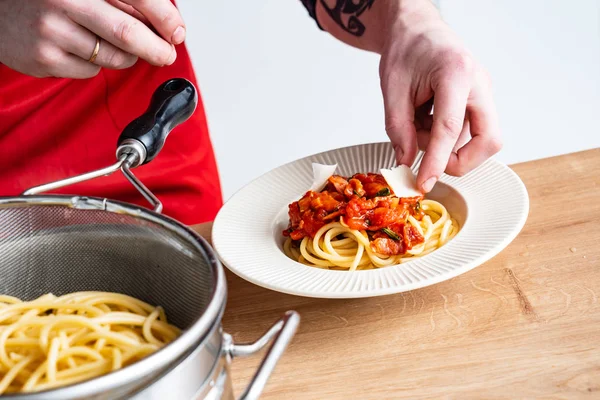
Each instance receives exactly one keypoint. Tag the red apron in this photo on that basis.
(53, 128)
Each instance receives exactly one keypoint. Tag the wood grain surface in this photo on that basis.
(526, 324)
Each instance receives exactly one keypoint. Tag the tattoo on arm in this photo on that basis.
(346, 14)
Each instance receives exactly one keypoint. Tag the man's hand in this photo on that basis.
(56, 38)
(423, 64)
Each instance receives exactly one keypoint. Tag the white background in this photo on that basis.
(276, 88)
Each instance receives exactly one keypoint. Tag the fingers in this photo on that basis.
(423, 136)
(424, 118)
(70, 66)
(399, 121)
(122, 30)
(75, 39)
(164, 17)
(128, 9)
(485, 130)
(449, 112)
(465, 136)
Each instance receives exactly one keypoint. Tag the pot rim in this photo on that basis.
(162, 359)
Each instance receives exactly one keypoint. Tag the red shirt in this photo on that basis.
(54, 128)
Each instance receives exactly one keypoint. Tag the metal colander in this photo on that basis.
(61, 244)
(59, 249)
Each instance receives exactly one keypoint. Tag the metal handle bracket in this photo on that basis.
(281, 333)
(124, 164)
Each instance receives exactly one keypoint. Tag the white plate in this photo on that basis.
(490, 204)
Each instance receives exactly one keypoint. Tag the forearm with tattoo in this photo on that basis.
(359, 23)
(346, 14)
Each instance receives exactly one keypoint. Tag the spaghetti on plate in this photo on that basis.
(358, 223)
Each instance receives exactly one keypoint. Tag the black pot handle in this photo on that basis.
(172, 103)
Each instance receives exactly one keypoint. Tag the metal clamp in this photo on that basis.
(130, 153)
(281, 334)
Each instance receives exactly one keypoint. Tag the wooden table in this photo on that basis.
(524, 325)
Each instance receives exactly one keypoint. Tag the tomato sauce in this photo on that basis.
(363, 202)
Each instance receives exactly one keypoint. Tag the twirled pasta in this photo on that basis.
(336, 246)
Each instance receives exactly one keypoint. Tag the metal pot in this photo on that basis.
(62, 244)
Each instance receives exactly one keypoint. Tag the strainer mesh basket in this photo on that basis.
(59, 249)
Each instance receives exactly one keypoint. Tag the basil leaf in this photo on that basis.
(383, 192)
(390, 233)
